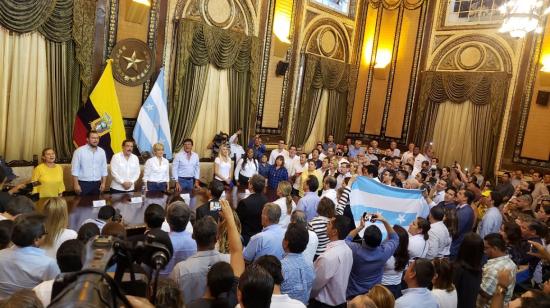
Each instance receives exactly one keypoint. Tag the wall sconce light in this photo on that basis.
(137, 10)
(544, 73)
(381, 66)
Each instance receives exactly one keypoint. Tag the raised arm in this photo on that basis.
(234, 239)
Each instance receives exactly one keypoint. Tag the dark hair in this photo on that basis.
(27, 228)
(127, 140)
(220, 281)
(258, 183)
(154, 216)
(471, 252)
(273, 266)
(451, 221)
(469, 195)
(188, 140)
(424, 225)
(19, 205)
(256, 286)
(205, 231)
(87, 231)
(114, 229)
(437, 212)
(177, 216)
(444, 272)
(424, 270)
(341, 224)
(372, 236)
(450, 188)
(326, 208)
(331, 181)
(281, 158)
(106, 212)
(69, 256)
(297, 238)
(168, 294)
(513, 232)
(312, 183)
(372, 169)
(6, 228)
(508, 174)
(401, 254)
(495, 240)
(216, 189)
(91, 131)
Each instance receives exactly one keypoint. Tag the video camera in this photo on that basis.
(92, 287)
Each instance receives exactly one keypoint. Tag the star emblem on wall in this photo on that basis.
(133, 62)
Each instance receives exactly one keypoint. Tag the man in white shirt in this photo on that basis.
(439, 195)
(333, 267)
(419, 158)
(342, 174)
(439, 241)
(280, 150)
(408, 153)
(125, 169)
(395, 151)
(329, 189)
(292, 160)
(299, 218)
(300, 167)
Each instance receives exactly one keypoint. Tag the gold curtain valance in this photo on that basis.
(52, 18)
(325, 73)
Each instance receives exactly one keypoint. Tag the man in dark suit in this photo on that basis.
(212, 207)
(250, 209)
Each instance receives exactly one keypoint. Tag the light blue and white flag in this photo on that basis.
(397, 205)
(152, 123)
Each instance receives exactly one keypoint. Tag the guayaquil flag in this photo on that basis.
(101, 113)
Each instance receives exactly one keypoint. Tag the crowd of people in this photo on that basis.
(473, 243)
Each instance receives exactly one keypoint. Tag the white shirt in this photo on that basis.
(396, 153)
(439, 196)
(418, 247)
(299, 168)
(311, 248)
(332, 271)
(250, 168)
(418, 161)
(275, 153)
(65, 235)
(439, 241)
(155, 171)
(330, 194)
(291, 163)
(285, 218)
(391, 277)
(124, 170)
(445, 299)
(406, 156)
(282, 301)
(44, 291)
(224, 168)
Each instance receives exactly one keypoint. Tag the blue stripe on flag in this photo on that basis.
(377, 188)
(394, 218)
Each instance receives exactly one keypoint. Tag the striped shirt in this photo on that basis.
(343, 201)
(319, 226)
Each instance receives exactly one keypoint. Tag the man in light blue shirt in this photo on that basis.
(492, 220)
(186, 168)
(177, 216)
(418, 277)
(270, 240)
(298, 274)
(354, 150)
(89, 167)
(309, 202)
(24, 265)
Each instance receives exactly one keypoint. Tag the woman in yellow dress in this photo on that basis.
(50, 176)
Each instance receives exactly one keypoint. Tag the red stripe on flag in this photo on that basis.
(79, 132)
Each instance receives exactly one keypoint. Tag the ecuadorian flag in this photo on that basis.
(101, 113)
(397, 205)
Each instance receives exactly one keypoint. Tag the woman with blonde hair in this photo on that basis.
(222, 166)
(223, 243)
(285, 202)
(50, 176)
(381, 296)
(156, 172)
(57, 221)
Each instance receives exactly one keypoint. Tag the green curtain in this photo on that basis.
(197, 45)
(64, 94)
(337, 114)
(83, 37)
(322, 73)
(486, 91)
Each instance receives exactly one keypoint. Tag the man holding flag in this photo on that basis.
(152, 123)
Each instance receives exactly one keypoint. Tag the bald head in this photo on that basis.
(411, 184)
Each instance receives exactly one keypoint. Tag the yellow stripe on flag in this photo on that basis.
(105, 101)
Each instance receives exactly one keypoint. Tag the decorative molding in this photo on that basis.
(151, 42)
(310, 15)
(111, 29)
(439, 39)
(315, 31)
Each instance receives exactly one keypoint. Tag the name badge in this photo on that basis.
(186, 198)
(134, 200)
(99, 203)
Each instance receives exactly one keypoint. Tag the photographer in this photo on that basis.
(6, 196)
